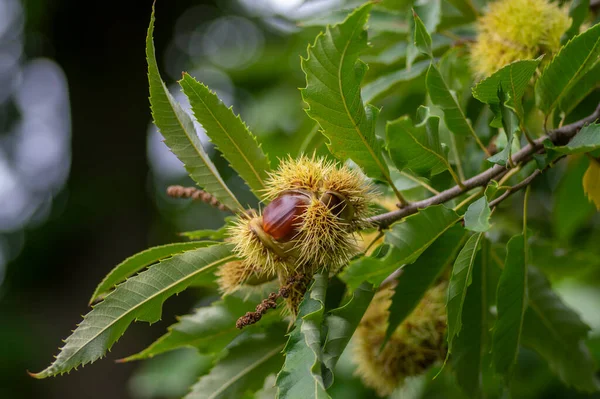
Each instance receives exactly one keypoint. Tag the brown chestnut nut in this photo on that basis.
(280, 217)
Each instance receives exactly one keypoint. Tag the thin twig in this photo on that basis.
(557, 136)
(421, 183)
(524, 183)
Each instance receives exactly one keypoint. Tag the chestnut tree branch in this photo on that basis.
(558, 136)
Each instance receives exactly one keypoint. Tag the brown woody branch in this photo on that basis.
(558, 136)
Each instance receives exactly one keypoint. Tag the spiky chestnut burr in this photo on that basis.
(315, 208)
(417, 343)
(514, 30)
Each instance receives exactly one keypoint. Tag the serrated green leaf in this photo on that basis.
(417, 277)
(333, 76)
(416, 147)
(471, 344)
(462, 275)
(179, 132)
(208, 330)
(511, 303)
(578, 11)
(513, 78)
(421, 37)
(477, 216)
(441, 96)
(301, 375)
(587, 140)
(580, 90)
(408, 239)
(139, 298)
(229, 133)
(141, 260)
(244, 368)
(339, 325)
(572, 62)
(591, 183)
(557, 334)
(383, 84)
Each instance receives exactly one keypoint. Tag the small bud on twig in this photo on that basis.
(197, 195)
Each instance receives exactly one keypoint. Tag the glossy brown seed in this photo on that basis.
(281, 215)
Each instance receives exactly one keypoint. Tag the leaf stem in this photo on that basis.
(421, 183)
(459, 167)
(468, 199)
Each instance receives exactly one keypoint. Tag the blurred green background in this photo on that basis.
(83, 175)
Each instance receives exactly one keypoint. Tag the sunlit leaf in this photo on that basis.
(557, 333)
(229, 133)
(417, 277)
(139, 298)
(244, 368)
(139, 261)
(301, 375)
(571, 63)
(513, 78)
(333, 76)
(591, 182)
(511, 303)
(179, 132)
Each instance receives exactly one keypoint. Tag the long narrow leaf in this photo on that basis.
(512, 302)
(139, 298)
(572, 62)
(340, 324)
(247, 363)
(416, 278)
(408, 239)
(557, 333)
(139, 261)
(179, 132)
(229, 133)
(301, 376)
(462, 276)
(471, 344)
(208, 330)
